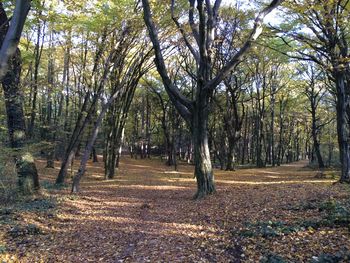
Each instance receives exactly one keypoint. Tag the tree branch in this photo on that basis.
(182, 31)
(182, 104)
(254, 34)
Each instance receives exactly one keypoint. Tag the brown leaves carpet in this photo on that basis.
(147, 214)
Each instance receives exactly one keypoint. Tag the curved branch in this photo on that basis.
(254, 34)
(182, 31)
(182, 104)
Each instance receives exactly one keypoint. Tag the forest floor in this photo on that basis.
(147, 214)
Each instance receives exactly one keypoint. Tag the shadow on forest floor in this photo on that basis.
(147, 214)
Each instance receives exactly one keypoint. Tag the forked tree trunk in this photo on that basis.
(196, 112)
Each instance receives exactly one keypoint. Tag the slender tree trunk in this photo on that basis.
(74, 141)
(38, 52)
(245, 140)
(50, 133)
(316, 143)
(87, 152)
(272, 130)
(94, 155)
(91, 141)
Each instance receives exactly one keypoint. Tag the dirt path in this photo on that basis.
(147, 215)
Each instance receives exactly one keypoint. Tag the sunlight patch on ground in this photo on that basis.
(274, 177)
(177, 172)
(269, 172)
(141, 166)
(152, 227)
(275, 182)
(154, 187)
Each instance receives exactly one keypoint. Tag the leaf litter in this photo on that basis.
(147, 214)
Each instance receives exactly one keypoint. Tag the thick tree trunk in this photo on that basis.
(10, 71)
(169, 151)
(230, 165)
(28, 179)
(342, 129)
(203, 168)
(50, 161)
(14, 103)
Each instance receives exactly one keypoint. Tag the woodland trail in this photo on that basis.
(147, 215)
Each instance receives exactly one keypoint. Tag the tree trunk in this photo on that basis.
(230, 156)
(203, 168)
(94, 155)
(10, 72)
(88, 149)
(37, 51)
(342, 123)
(75, 138)
(316, 143)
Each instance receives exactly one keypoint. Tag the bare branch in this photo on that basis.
(254, 34)
(183, 33)
(183, 104)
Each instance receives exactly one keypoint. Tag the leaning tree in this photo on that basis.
(200, 33)
(10, 70)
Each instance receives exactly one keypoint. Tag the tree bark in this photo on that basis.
(342, 127)
(10, 70)
(203, 168)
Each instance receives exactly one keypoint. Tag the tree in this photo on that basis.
(325, 43)
(10, 70)
(195, 112)
(315, 92)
